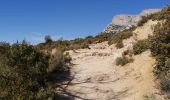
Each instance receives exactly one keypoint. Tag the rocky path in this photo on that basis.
(96, 77)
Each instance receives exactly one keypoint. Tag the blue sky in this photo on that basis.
(33, 19)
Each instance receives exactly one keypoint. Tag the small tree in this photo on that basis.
(48, 39)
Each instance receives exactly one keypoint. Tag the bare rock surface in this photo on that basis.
(125, 21)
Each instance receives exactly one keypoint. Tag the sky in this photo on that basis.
(34, 19)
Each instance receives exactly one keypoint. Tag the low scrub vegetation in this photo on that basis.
(123, 60)
(78, 43)
(149, 97)
(160, 48)
(24, 71)
(58, 62)
(146, 18)
(119, 44)
(141, 46)
(120, 36)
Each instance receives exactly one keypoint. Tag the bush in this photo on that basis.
(4, 52)
(150, 97)
(123, 61)
(119, 37)
(160, 48)
(119, 45)
(58, 61)
(140, 46)
(24, 73)
(145, 19)
(48, 39)
(128, 53)
(164, 82)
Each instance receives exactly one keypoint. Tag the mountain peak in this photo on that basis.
(125, 19)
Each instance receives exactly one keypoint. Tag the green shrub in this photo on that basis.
(24, 72)
(140, 46)
(164, 82)
(48, 39)
(119, 37)
(58, 61)
(119, 45)
(160, 48)
(145, 19)
(128, 53)
(123, 61)
(150, 97)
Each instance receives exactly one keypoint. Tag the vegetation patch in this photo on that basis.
(141, 46)
(149, 97)
(24, 71)
(123, 60)
(120, 36)
(160, 48)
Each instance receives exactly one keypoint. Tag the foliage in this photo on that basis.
(24, 71)
(58, 61)
(165, 82)
(4, 47)
(144, 19)
(140, 46)
(48, 39)
(119, 44)
(78, 43)
(161, 15)
(119, 37)
(150, 97)
(128, 53)
(123, 60)
(160, 48)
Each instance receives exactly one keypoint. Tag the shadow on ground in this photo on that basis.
(63, 80)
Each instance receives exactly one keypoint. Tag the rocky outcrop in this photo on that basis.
(123, 21)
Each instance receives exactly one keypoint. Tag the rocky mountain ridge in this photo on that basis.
(125, 21)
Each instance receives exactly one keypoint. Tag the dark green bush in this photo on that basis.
(140, 46)
(160, 48)
(119, 37)
(48, 39)
(146, 18)
(119, 45)
(143, 20)
(128, 53)
(23, 72)
(123, 60)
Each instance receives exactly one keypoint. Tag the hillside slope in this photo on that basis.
(96, 76)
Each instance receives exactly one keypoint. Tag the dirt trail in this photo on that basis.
(96, 77)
